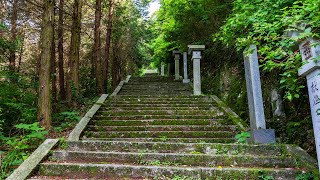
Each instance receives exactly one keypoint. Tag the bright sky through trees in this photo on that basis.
(154, 6)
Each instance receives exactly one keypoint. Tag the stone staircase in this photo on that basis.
(155, 129)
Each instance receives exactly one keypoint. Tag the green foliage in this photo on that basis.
(305, 176)
(179, 22)
(263, 177)
(266, 24)
(242, 137)
(29, 136)
(17, 101)
(65, 120)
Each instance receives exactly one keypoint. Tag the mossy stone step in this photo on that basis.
(157, 105)
(111, 103)
(76, 170)
(180, 159)
(128, 99)
(166, 139)
(213, 113)
(147, 122)
(159, 134)
(155, 117)
(113, 108)
(162, 96)
(161, 128)
(167, 147)
(155, 91)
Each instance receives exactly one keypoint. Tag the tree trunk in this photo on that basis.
(60, 52)
(97, 49)
(53, 68)
(14, 16)
(73, 69)
(20, 55)
(107, 47)
(44, 101)
(115, 67)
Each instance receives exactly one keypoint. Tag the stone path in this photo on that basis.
(155, 129)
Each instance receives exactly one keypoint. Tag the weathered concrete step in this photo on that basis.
(159, 134)
(215, 112)
(161, 128)
(158, 102)
(157, 105)
(155, 91)
(166, 139)
(161, 98)
(171, 100)
(167, 147)
(148, 86)
(205, 160)
(152, 80)
(154, 117)
(159, 87)
(75, 170)
(113, 108)
(153, 122)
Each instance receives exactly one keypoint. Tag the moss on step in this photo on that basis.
(152, 134)
(125, 171)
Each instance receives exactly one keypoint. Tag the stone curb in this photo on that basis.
(303, 157)
(26, 168)
(127, 79)
(76, 132)
(118, 89)
(234, 117)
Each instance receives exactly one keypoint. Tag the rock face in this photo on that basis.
(155, 129)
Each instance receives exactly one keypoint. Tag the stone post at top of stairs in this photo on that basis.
(196, 57)
(176, 54)
(259, 133)
(185, 68)
(311, 70)
(162, 69)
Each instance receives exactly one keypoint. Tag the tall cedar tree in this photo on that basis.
(14, 17)
(97, 48)
(62, 89)
(107, 47)
(53, 68)
(44, 101)
(73, 69)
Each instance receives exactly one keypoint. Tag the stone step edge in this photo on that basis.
(242, 160)
(98, 145)
(152, 171)
(166, 154)
(165, 126)
(180, 140)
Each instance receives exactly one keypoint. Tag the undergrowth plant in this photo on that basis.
(242, 137)
(20, 146)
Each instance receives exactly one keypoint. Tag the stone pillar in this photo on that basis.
(311, 70)
(196, 57)
(177, 66)
(259, 133)
(162, 69)
(176, 54)
(168, 69)
(185, 68)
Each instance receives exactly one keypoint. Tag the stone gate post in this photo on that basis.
(259, 133)
(311, 70)
(176, 54)
(162, 69)
(185, 68)
(195, 50)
